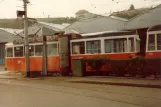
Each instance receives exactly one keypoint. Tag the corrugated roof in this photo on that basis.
(6, 36)
(56, 26)
(12, 31)
(43, 28)
(100, 33)
(96, 25)
(145, 20)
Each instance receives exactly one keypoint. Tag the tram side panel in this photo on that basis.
(153, 51)
(9, 64)
(53, 64)
(106, 67)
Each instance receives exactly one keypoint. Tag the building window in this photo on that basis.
(9, 52)
(131, 45)
(93, 47)
(31, 50)
(38, 50)
(52, 49)
(158, 41)
(116, 45)
(18, 51)
(78, 48)
(151, 42)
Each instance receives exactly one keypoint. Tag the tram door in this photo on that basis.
(64, 55)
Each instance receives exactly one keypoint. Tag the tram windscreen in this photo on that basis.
(9, 52)
(18, 51)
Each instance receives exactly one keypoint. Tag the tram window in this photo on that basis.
(52, 49)
(137, 45)
(38, 50)
(116, 45)
(120, 45)
(31, 50)
(9, 52)
(131, 45)
(109, 46)
(151, 42)
(158, 41)
(93, 46)
(18, 51)
(78, 48)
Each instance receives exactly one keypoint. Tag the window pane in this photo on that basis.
(18, 51)
(158, 41)
(137, 45)
(131, 45)
(151, 42)
(78, 48)
(52, 49)
(31, 50)
(93, 46)
(116, 45)
(108, 46)
(9, 52)
(38, 50)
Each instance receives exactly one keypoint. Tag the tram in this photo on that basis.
(117, 46)
(15, 55)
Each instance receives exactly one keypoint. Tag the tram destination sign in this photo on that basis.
(36, 39)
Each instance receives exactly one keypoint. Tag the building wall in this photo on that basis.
(2, 53)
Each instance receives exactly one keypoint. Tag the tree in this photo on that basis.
(132, 7)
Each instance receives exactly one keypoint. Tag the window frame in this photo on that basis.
(71, 47)
(91, 49)
(155, 33)
(22, 51)
(102, 39)
(7, 52)
(157, 41)
(57, 54)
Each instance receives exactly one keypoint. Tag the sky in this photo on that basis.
(68, 8)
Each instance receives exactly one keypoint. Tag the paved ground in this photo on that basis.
(1, 68)
(123, 81)
(44, 93)
(17, 91)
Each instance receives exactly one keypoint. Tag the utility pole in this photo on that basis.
(26, 39)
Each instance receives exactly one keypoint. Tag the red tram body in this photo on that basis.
(117, 45)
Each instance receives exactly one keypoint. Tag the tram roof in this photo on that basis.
(155, 28)
(101, 33)
(9, 44)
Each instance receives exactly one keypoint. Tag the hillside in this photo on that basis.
(18, 24)
(128, 14)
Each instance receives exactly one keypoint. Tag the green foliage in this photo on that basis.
(132, 7)
(130, 13)
(136, 65)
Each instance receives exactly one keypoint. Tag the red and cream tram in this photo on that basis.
(113, 45)
(15, 59)
(153, 49)
(117, 45)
